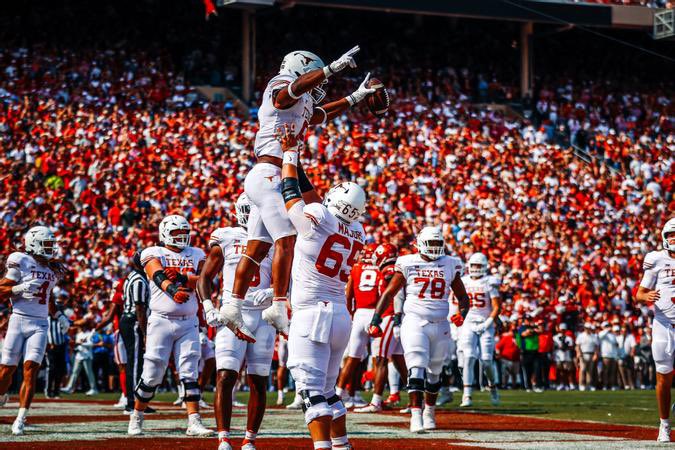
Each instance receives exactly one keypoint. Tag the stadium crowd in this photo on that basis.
(103, 144)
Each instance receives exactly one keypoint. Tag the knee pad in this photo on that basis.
(336, 406)
(191, 391)
(433, 383)
(416, 376)
(143, 392)
(314, 405)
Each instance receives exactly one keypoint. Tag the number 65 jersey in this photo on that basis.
(325, 251)
(22, 267)
(428, 285)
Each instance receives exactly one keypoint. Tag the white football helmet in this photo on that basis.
(242, 208)
(40, 241)
(668, 228)
(478, 265)
(300, 62)
(346, 201)
(170, 224)
(430, 242)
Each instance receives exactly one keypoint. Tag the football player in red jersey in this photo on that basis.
(361, 300)
(387, 344)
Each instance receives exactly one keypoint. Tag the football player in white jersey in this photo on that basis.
(28, 283)
(477, 335)
(173, 326)
(292, 99)
(330, 238)
(658, 288)
(427, 276)
(226, 247)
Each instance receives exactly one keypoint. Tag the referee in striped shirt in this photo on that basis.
(133, 323)
(57, 341)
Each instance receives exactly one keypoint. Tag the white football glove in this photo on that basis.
(277, 316)
(64, 323)
(230, 315)
(261, 296)
(397, 332)
(26, 287)
(203, 339)
(342, 62)
(211, 314)
(361, 93)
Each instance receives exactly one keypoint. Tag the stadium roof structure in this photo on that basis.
(528, 12)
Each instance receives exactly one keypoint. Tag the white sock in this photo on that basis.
(224, 435)
(665, 422)
(339, 392)
(322, 444)
(250, 436)
(22, 413)
(394, 379)
(138, 413)
(376, 400)
(280, 395)
(193, 416)
(341, 441)
(467, 391)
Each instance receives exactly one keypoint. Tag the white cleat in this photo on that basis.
(466, 402)
(664, 433)
(224, 445)
(178, 401)
(358, 401)
(91, 392)
(248, 446)
(196, 427)
(369, 409)
(121, 403)
(494, 397)
(348, 402)
(3, 399)
(297, 404)
(135, 425)
(238, 404)
(203, 404)
(444, 398)
(405, 410)
(416, 422)
(18, 427)
(429, 419)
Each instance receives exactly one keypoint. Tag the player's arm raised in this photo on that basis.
(155, 272)
(285, 98)
(395, 285)
(330, 110)
(212, 267)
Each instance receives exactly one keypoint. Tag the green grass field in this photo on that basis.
(620, 407)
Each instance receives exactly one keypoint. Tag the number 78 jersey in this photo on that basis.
(323, 258)
(428, 285)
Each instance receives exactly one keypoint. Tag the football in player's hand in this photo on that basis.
(378, 101)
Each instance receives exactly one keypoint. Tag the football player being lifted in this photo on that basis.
(477, 334)
(29, 279)
(427, 277)
(226, 247)
(292, 99)
(658, 288)
(330, 238)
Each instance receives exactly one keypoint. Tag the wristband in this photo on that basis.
(171, 290)
(350, 100)
(159, 277)
(16, 291)
(397, 320)
(290, 92)
(182, 278)
(291, 156)
(208, 306)
(327, 72)
(377, 320)
(303, 181)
